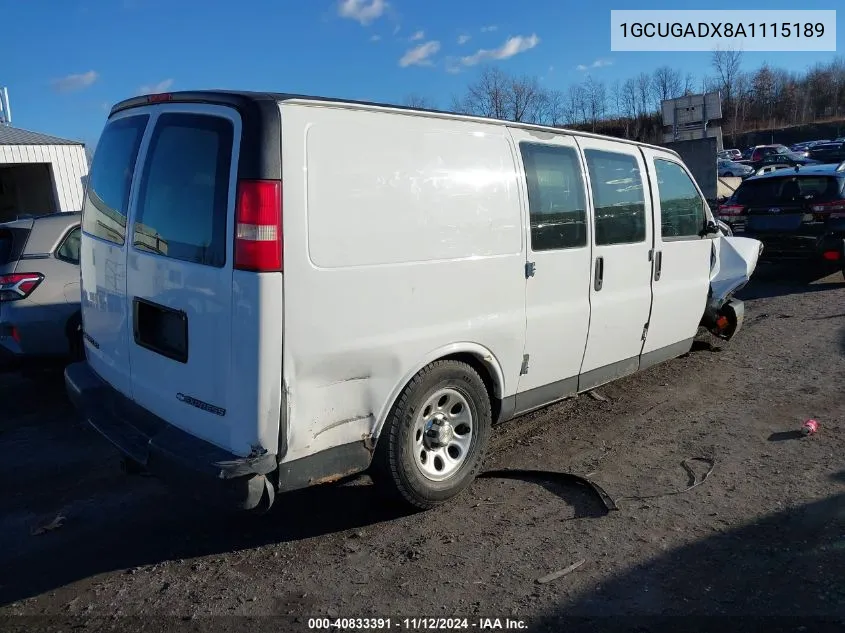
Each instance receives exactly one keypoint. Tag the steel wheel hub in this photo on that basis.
(443, 434)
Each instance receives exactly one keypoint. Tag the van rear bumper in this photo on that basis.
(182, 460)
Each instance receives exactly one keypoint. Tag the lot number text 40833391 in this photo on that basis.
(417, 624)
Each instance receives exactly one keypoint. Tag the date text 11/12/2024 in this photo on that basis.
(416, 624)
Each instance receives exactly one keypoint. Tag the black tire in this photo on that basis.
(396, 468)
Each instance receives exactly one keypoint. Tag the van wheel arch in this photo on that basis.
(476, 356)
(423, 481)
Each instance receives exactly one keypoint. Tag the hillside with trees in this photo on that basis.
(768, 104)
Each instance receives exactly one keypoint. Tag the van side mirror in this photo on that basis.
(710, 228)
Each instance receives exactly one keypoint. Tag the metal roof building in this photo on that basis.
(39, 174)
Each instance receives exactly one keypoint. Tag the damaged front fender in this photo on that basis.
(733, 261)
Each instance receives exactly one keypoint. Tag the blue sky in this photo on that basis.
(67, 61)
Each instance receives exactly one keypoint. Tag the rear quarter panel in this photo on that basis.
(402, 243)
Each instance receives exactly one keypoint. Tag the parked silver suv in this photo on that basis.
(40, 321)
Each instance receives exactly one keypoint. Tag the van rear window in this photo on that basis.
(104, 213)
(788, 189)
(184, 193)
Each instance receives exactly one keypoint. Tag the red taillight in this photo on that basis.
(258, 226)
(18, 285)
(159, 98)
(831, 256)
(731, 209)
(828, 207)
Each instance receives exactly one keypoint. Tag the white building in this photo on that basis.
(39, 174)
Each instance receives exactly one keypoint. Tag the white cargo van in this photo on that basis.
(280, 291)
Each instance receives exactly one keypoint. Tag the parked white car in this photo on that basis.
(729, 154)
(282, 291)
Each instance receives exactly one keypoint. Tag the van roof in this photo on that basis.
(238, 97)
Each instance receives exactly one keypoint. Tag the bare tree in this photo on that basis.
(524, 99)
(727, 63)
(762, 93)
(488, 96)
(689, 83)
(596, 98)
(629, 103)
(414, 100)
(644, 93)
(580, 103)
(552, 108)
(499, 95)
(616, 98)
(665, 84)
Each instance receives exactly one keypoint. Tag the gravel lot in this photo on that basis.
(764, 534)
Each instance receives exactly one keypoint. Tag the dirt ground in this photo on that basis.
(763, 535)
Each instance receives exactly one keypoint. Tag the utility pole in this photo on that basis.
(5, 108)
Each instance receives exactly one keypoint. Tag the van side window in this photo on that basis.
(69, 249)
(104, 211)
(681, 206)
(556, 198)
(184, 193)
(618, 197)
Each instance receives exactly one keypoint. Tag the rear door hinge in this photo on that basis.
(529, 269)
(645, 331)
(524, 369)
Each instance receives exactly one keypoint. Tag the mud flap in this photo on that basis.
(550, 475)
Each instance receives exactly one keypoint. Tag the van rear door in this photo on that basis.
(179, 268)
(103, 249)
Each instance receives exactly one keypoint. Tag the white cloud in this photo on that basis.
(489, 29)
(375, 38)
(419, 35)
(599, 63)
(396, 29)
(513, 46)
(420, 55)
(453, 66)
(161, 86)
(463, 39)
(362, 11)
(72, 83)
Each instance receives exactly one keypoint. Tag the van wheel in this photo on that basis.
(433, 442)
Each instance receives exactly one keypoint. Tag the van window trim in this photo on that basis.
(155, 111)
(588, 216)
(708, 215)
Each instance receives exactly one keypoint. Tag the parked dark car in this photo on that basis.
(828, 152)
(758, 152)
(795, 213)
(782, 158)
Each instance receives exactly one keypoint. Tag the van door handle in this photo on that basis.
(599, 273)
(658, 265)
